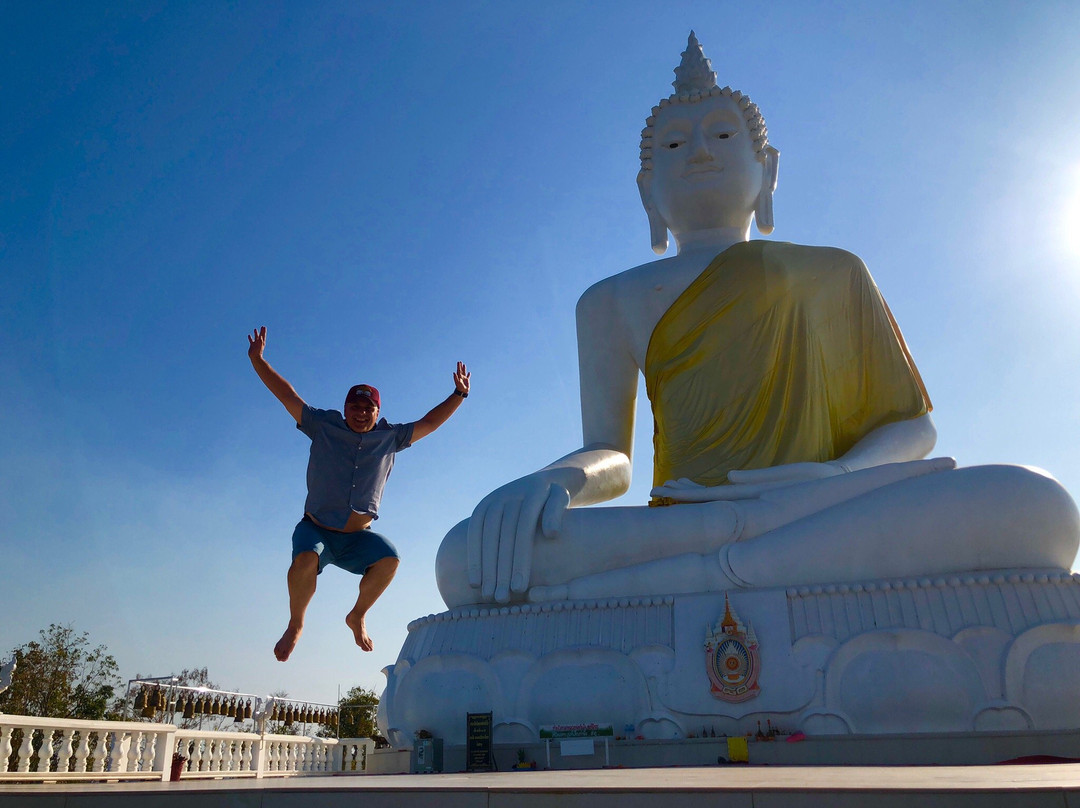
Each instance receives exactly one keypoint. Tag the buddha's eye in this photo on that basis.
(724, 135)
(674, 144)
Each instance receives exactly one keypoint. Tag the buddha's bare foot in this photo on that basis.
(359, 630)
(284, 648)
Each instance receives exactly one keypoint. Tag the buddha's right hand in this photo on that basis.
(502, 531)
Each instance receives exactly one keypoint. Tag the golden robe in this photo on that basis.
(776, 353)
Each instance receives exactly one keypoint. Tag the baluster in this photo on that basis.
(27, 749)
(198, 753)
(82, 751)
(192, 747)
(149, 744)
(129, 752)
(5, 746)
(67, 749)
(119, 756)
(219, 755)
(271, 756)
(182, 750)
(134, 752)
(45, 751)
(101, 749)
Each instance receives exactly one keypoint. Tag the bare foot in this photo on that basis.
(359, 630)
(284, 648)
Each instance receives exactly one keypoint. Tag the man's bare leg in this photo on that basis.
(374, 583)
(303, 576)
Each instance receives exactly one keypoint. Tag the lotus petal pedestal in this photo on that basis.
(980, 652)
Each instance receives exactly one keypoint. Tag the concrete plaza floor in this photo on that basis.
(1041, 785)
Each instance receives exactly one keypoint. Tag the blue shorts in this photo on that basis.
(353, 552)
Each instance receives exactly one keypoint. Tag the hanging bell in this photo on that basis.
(274, 713)
(140, 699)
(230, 710)
(289, 715)
(161, 701)
(247, 709)
(189, 707)
(216, 707)
(149, 704)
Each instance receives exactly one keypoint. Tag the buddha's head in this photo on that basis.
(706, 161)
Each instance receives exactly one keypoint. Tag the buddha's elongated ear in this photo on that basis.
(658, 229)
(763, 210)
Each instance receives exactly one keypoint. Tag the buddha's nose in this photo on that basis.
(699, 150)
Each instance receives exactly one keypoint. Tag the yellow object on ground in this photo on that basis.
(738, 751)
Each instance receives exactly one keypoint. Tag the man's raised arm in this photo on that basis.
(441, 412)
(273, 380)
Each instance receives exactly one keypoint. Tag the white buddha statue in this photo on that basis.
(791, 424)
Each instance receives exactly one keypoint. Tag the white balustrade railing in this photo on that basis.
(62, 749)
(50, 749)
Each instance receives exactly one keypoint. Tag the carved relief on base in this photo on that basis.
(969, 653)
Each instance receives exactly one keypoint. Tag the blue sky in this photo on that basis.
(392, 187)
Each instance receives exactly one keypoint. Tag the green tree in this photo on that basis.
(356, 715)
(62, 676)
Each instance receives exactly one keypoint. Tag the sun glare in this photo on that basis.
(1070, 215)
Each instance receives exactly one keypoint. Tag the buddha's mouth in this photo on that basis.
(700, 170)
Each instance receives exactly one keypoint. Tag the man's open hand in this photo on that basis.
(256, 343)
(461, 377)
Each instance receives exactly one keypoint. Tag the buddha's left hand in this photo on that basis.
(752, 483)
(748, 483)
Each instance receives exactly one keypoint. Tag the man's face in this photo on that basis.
(361, 415)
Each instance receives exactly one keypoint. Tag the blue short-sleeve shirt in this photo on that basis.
(347, 470)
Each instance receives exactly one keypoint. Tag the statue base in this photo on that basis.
(984, 652)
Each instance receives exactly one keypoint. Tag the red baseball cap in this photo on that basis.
(363, 391)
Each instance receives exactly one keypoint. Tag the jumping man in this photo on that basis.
(351, 457)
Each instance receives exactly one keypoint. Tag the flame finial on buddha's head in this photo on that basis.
(695, 72)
